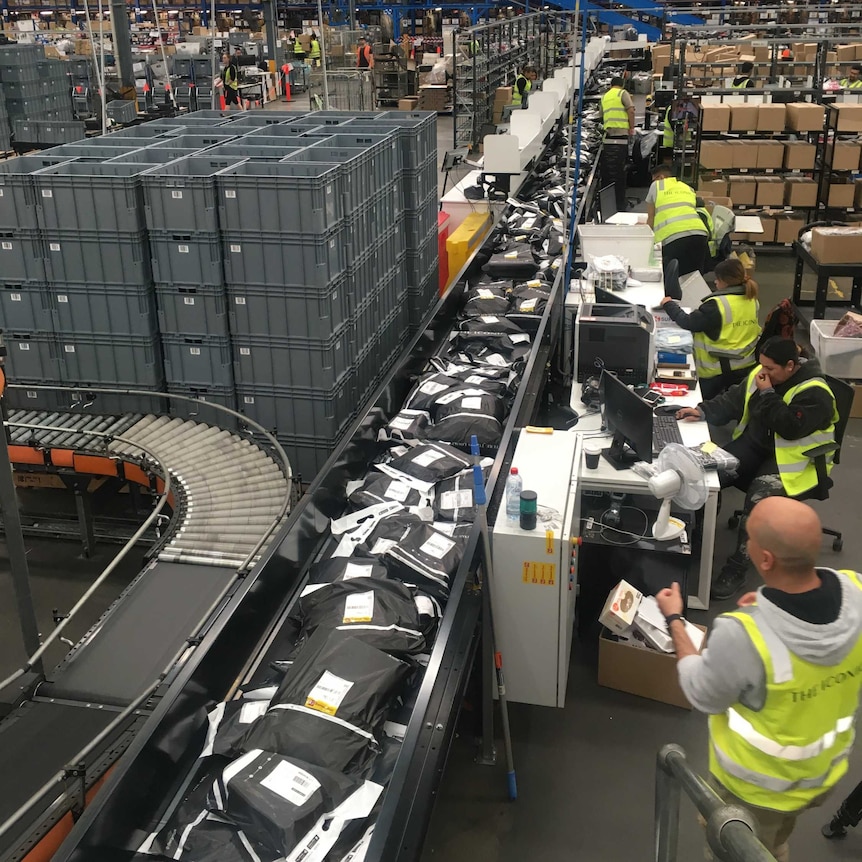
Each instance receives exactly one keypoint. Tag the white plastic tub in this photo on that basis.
(840, 357)
(633, 242)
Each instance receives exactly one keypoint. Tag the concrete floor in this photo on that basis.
(585, 773)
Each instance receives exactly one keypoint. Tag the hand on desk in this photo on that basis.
(690, 414)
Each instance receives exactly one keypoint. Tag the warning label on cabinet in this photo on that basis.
(543, 574)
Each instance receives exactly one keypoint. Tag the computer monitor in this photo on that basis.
(608, 202)
(630, 420)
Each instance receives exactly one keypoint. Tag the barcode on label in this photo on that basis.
(15, 297)
(327, 695)
(183, 249)
(188, 300)
(229, 193)
(69, 348)
(61, 297)
(54, 246)
(236, 249)
(245, 351)
(195, 351)
(6, 246)
(47, 193)
(239, 300)
(291, 783)
(177, 195)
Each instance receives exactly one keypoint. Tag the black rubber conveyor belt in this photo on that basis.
(139, 635)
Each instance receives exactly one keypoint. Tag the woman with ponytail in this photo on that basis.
(725, 328)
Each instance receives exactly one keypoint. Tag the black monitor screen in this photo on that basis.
(630, 420)
(608, 202)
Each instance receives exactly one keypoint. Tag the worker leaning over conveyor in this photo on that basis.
(779, 678)
(618, 119)
(523, 85)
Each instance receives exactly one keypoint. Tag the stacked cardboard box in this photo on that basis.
(433, 97)
(502, 97)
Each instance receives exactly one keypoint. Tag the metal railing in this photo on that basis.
(731, 832)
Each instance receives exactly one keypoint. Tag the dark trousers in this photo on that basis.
(613, 165)
(689, 251)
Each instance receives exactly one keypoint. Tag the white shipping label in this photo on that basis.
(359, 608)
(252, 711)
(437, 547)
(449, 397)
(471, 403)
(177, 196)
(239, 300)
(401, 423)
(229, 193)
(15, 297)
(489, 318)
(235, 249)
(496, 359)
(7, 246)
(24, 346)
(397, 491)
(432, 387)
(47, 193)
(328, 693)
(355, 570)
(291, 783)
(425, 606)
(426, 459)
(183, 249)
(69, 348)
(446, 527)
(188, 300)
(248, 399)
(520, 338)
(381, 546)
(54, 246)
(457, 499)
(511, 255)
(475, 378)
(245, 351)
(484, 293)
(61, 297)
(195, 351)
(528, 305)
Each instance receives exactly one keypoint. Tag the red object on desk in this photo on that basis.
(669, 389)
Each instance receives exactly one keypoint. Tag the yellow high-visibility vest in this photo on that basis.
(739, 334)
(614, 114)
(675, 210)
(516, 95)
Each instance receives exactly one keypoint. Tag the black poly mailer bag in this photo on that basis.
(473, 413)
(427, 389)
(229, 722)
(516, 262)
(454, 500)
(427, 558)
(379, 488)
(345, 569)
(431, 462)
(486, 299)
(490, 323)
(407, 425)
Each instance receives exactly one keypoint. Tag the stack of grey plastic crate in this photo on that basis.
(5, 128)
(38, 98)
(272, 262)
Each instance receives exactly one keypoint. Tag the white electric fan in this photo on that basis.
(680, 479)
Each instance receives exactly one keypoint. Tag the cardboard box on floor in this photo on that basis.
(837, 244)
(639, 670)
(804, 117)
(799, 155)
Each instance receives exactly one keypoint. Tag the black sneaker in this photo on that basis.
(731, 578)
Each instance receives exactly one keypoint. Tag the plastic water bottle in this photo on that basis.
(514, 485)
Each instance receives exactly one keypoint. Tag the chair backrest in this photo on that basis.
(843, 393)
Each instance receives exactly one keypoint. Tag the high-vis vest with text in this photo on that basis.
(851, 85)
(798, 472)
(614, 114)
(675, 210)
(516, 94)
(736, 341)
(784, 756)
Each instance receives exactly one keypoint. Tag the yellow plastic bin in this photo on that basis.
(465, 239)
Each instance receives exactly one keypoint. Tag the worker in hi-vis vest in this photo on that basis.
(783, 409)
(230, 81)
(523, 86)
(618, 119)
(743, 80)
(314, 51)
(298, 50)
(853, 81)
(725, 328)
(780, 676)
(364, 54)
(672, 215)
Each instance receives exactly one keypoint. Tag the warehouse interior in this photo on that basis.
(227, 328)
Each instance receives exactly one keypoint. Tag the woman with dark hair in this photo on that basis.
(725, 328)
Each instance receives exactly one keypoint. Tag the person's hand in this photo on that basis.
(762, 381)
(670, 600)
(667, 299)
(747, 600)
(690, 414)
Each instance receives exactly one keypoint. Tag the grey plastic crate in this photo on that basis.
(34, 399)
(237, 150)
(421, 221)
(284, 260)
(307, 454)
(384, 145)
(313, 363)
(17, 192)
(344, 116)
(102, 196)
(286, 130)
(93, 257)
(144, 132)
(121, 360)
(421, 261)
(18, 90)
(61, 131)
(288, 144)
(114, 309)
(203, 360)
(186, 258)
(122, 111)
(190, 139)
(418, 183)
(254, 120)
(192, 310)
(289, 410)
(152, 156)
(84, 151)
(288, 312)
(85, 398)
(31, 356)
(365, 322)
(191, 120)
(358, 176)
(22, 256)
(25, 307)
(210, 115)
(289, 197)
(200, 410)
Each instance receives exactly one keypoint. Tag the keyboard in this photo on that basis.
(665, 429)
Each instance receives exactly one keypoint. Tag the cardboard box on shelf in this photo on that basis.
(743, 118)
(771, 118)
(849, 118)
(787, 226)
(742, 189)
(620, 608)
(857, 197)
(804, 117)
(770, 192)
(716, 186)
(636, 669)
(799, 155)
(767, 221)
(841, 196)
(845, 53)
(761, 52)
(837, 244)
(770, 154)
(800, 192)
(715, 118)
(408, 104)
(503, 96)
(713, 201)
(716, 154)
(859, 51)
(745, 154)
(844, 155)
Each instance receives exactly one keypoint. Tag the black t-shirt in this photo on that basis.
(819, 606)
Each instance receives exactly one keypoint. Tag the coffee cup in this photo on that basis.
(592, 453)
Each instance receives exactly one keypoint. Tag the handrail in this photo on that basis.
(731, 831)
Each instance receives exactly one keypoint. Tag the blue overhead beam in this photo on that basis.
(613, 19)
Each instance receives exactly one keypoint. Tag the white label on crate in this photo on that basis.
(6, 246)
(230, 193)
(188, 300)
(195, 351)
(457, 499)
(329, 190)
(359, 608)
(239, 300)
(24, 346)
(355, 570)
(47, 193)
(397, 491)
(245, 351)
(69, 348)
(328, 694)
(54, 246)
(15, 297)
(61, 297)
(235, 249)
(425, 459)
(1, 193)
(176, 195)
(252, 711)
(437, 547)
(332, 243)
(183, 249)
(471, 403)
(291, 783)
(32, 393)
(248, 399)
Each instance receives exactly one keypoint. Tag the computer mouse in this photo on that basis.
(667, 409)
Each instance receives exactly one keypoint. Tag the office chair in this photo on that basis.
(843, 393)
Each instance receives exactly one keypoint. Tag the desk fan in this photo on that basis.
(680, 479)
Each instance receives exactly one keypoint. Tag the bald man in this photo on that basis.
(780, 677)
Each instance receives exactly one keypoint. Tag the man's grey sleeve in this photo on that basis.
(652, 192)
(728, 671)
